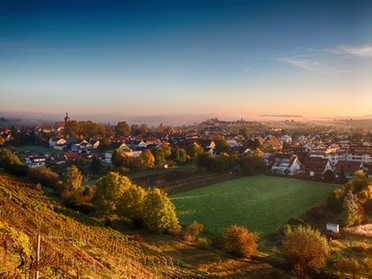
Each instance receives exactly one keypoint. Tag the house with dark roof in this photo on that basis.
(285, 164)
(349, 168)
(316, 166)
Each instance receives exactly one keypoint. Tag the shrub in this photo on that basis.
(188, 237)
(43, 175)
(239, 242)
(203, 242)
(305, 249)
(194, 229)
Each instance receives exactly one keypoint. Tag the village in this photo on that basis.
(328, 156)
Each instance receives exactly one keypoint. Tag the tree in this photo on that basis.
(44, 176)
(95, 165)
(329, 176)
(193, 230)
(159, 156)
(166, 150)
(159, 213)
(117, 158)
(131, 203)
(147, 160)
(193, 150)
(122, 129)
(104, 144)
(178, 155)
(72, 129)
(205, 160)
(12, 163)
(257, 153)
(222, 145)
(109, 191)
(305, 249)
(72, 191)
(350, 210)
(342, 177)
(1, 140)
(239, 242)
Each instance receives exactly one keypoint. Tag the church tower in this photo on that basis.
(67, 118)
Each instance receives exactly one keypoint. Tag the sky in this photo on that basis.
(228, 58)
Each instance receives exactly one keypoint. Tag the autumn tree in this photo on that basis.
(178, 155)
(193, 150)
(159, 213)
(122, 129)
(72, 191)
(109, 191)
(1, 140)
(72, 129)
(147, 160)
(104, 144)
(239, 242)
(305, 249)
(166, 150)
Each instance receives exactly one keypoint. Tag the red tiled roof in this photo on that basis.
(72, 155)
(349, 166)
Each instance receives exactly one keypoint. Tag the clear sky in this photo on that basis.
(224, 58)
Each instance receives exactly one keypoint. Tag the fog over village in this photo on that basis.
(185, 139)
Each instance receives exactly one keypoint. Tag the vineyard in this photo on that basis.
(75, 247)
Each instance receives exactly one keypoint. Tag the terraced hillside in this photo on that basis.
(71, 247)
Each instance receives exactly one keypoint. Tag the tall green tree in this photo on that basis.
(159, 213)
(350, 210)
(109, 192)
(72, 191)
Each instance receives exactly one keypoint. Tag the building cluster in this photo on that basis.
(286, 154)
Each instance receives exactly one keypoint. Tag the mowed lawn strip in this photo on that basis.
(260, 203)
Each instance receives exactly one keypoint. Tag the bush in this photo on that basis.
(203, 242)
(194, 229)
(188, 237)
(239, 242)
(305, 249)
(43, 175)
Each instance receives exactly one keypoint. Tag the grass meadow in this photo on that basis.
(260, 203)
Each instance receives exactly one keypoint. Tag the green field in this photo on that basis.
(260, 203)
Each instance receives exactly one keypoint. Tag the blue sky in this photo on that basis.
(223, 58)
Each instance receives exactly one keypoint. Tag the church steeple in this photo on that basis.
(67, 118)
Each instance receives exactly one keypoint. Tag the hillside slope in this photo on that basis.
(71, 247)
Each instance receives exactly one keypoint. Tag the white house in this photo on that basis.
(35, 161)
(285, 164)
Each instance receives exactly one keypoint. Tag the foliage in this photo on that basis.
(252, 165)
(350, 210)
(329, 176)
(122, 129)
(12, 163)
(166, 150)
(305, 249)
(257, 153)
(147, 160)
(95, 165)
(131, 203)
(159, 156)
(43, 175)
(72, 191)
(205, 160)
(239, 242)
(193, 230)
(159, 212)
(221, 145)
(178, 155)
(104, 144)
(109, 192)
(203, 242)
(194, 150)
